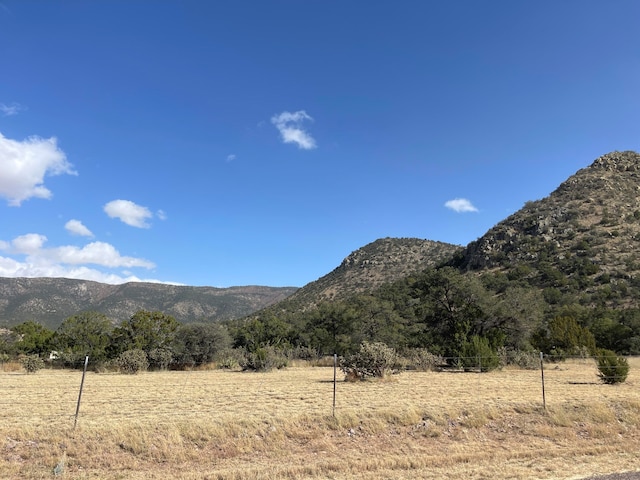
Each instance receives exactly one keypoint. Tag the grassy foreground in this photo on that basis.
(231, 425)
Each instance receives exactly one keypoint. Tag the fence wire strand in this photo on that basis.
(130, 397)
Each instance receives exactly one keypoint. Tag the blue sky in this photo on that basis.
(260, 142)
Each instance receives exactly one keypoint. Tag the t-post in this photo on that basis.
(84, 372)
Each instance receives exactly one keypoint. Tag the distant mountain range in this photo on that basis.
(50, 300)
(579, 244)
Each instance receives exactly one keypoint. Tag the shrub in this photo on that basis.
(71, 359)
(32, 363)
(477, 353)
(230, 358)
(160, 358)
(372, 360)
(264, 359)
(612, 368)
(133, 361)
(423, 360)
(303, 353)
(526, 360)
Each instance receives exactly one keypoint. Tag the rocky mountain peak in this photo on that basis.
(582, 237)
(617, 161)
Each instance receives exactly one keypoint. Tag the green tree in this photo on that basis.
(610, 334)
(564, 336)
(86, 333)
(477, 353)
(450, 306)
(378, 321)
(331, 328)
(612, 369)
(198, 343)
(33, 338)
(146, 331)
(265, 330)
(513, 317)
(625, 338)
(8, 341)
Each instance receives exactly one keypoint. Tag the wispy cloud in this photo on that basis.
(24, 164)
(290, 127)
(231, 158)
(129, 212)
(460, 205)
(9, 110)
(76, 227)
(30, 258)
(96, 253)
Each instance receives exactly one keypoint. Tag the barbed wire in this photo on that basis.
(100, 393)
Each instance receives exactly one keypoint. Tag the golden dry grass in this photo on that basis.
(231, 425)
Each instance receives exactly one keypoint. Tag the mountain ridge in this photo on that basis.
(50, 300)
(384, 260)
(581, 238)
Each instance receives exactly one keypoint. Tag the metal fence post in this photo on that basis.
(544, 400)
(84, 372)
(335, 366)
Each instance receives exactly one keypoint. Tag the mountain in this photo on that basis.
(51, 300)
(364, 270)
(581, 240)
(578, 246)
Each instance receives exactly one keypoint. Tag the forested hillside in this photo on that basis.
(561, 274)
(383, 261)
(579, 244)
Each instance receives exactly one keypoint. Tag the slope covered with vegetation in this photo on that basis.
(560, 275)
(383, 261)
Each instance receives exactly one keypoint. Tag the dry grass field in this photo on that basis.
(215, 424)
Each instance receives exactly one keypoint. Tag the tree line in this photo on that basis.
(450, 314)
(163, 340)
(440, 311)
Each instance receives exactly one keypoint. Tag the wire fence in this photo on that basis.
(59, 398)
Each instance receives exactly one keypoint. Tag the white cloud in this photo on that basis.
(23, 166)
(161, 215)
(231, 158)
(76, 227)
(129, 213)
(28, 244)
(9, 110)
(460, 205)
(97, 253)
(67, 261)
(289, 125)
(11, 268)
